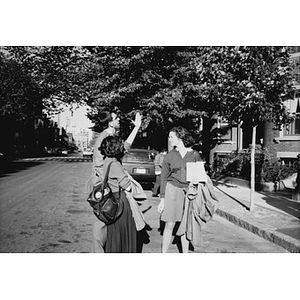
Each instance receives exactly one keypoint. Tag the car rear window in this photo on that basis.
(139, 156)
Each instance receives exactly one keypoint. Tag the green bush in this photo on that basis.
(276, 171)
(237, 164)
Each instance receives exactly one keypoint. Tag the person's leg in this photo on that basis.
(99, 236)
(167, 236)
(156, 185)
(184, 244)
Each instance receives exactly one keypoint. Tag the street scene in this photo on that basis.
(44, 210)
(149, 150)
(172, 145)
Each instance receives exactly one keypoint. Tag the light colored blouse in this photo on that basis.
(98, 157)
(117, 176)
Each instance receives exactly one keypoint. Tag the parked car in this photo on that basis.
(139, 163)
(87, 152)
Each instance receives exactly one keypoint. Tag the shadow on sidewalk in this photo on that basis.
(283, 202)
(232, 187)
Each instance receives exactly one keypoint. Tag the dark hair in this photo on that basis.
(183, 134)
(104, 118)
(112, 146)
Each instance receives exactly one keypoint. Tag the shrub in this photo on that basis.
(275, 171)
(237, 164)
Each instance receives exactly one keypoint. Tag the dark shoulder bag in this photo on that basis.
(107, 208)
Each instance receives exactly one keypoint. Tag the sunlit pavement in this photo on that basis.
(44, 209)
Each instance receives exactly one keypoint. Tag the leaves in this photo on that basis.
(169, 85)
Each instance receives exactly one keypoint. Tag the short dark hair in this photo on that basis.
(112, 146)
(183, 134)
(104, 117)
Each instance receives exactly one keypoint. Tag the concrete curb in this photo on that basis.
(288, 243)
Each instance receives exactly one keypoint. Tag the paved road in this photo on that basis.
(43, 209)
(219, 236)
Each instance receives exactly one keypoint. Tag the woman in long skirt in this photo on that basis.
(122, 234)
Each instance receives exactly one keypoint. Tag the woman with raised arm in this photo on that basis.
(109, 123)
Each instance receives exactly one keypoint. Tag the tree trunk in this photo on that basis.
(206, 139)
(252, 182)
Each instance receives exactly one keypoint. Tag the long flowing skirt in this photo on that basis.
(122, 235)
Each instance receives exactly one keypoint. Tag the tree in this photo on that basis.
(155, 80)
(177, 85)
(34, 81)
(56, 71)
(19, 94)
(261, 79)
(171, 86)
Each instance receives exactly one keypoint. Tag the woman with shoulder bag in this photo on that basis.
(109, 122)
(122, 234)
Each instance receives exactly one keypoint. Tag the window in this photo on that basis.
(294, 127)
(228, 135)
(138, 156)
(223, 125)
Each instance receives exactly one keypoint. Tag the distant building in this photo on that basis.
(81, 134)
(82, 139)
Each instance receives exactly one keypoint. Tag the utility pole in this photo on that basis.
(252, 182)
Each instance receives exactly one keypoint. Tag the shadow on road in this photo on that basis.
(10, 167)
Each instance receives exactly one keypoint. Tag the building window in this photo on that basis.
(294, 127)
(293, 107)
(228, 135)
(223, 125)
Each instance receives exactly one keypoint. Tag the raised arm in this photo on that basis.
(137, 124)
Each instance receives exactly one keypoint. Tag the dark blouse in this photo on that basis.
(174, 169)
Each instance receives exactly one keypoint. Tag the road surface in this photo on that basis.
(43, 209)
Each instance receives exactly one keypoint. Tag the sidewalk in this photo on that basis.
(275, 217)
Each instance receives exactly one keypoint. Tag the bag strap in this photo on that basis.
(107, 172)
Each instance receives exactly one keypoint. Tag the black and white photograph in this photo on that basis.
(157, 109)
(144, 155)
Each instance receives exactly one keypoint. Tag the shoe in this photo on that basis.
(154, 195)
(148, 227)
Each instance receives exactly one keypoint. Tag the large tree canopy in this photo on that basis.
(246, 84)
(177, 85)
(149, 79)
(19, 93)
(55, 72)
(260, 80)
(170, 85)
